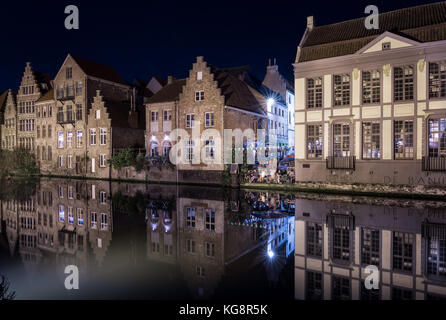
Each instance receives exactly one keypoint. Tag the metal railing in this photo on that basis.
(341, 162)
(433, 163)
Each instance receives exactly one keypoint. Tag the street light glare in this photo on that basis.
(270, 102)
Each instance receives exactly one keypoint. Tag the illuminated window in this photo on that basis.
(61, 213)
(403, 83)
(403, 251)
(60, 140)
(341, 89)
(190, 217)
(371, 140)
(314, 141)
(403, 139)
(210, 219)
(437, 79)
(370, 247)
(371, 87)
(314, 93)
(314, 239)
(437, 137)
(341, 140)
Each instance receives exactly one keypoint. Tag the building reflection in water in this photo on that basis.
(337, 238)
(200, 236)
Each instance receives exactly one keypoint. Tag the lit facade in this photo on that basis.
(372, 108)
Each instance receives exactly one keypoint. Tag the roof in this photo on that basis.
(47, 96)
(119, 112)
(99, 70)
(169, 92)
(425, 23)
(3, 98)
(235, 91)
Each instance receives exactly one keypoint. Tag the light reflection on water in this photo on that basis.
(144, 241)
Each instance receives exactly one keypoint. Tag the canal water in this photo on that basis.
(137, 241)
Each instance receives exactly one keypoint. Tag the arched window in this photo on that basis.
(166, 148)
(154, 149)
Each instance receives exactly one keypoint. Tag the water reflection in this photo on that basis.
(146, 241)
(337, 238)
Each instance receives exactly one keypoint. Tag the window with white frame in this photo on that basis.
(403, 83)
(69, 138)
(92, 136)
(70, 192)
(437, 79)
(167, 115)
(61, 213)
(341, 89)
(189, 150)
(79, 141)
(103, 197)
(60, 140)
(70, 161)
(190, 245)
(371, 87)
(70, 215)
(209, 119)
(314, 141)
(403, 139)
(314, 93)
(341, 140)
(210, 149)
(80, 216)
(437, 137)
(94, 220)
(98, 114)
(190, 120)
(371, 140)
(209, 249)
(60, 161)
(210, 219)
(103, 136)
(60, 192)
(199, 95)
(190, 217)
(102, 160)
(104, 222)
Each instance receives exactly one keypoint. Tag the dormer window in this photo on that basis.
(386, 46)
(199, 75)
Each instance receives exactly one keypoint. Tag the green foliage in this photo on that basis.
(127, 158)
(129, 205)
(18, 161)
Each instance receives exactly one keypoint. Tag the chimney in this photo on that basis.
(200, 59)
(170, 79)
(310, 23)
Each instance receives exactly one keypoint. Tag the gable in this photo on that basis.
(393, 40)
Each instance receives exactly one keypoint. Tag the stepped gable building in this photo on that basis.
(371, 104)
(33, 85)
(75, 87)
(45, 125)
(218, 98)
(8, 120)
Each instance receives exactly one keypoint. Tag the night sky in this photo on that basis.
(145, 38)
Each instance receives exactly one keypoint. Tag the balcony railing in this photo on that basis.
(433, 164)
(348, 163)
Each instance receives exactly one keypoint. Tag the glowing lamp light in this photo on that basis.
(270, 254)
(270, 102)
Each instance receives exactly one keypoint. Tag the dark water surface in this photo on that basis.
(136, 241)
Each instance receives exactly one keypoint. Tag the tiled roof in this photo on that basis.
(3, 97)
(119, 112)
(236, 91)
(47, 96)
(424, 23)
(99, 70)
(168, 93)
